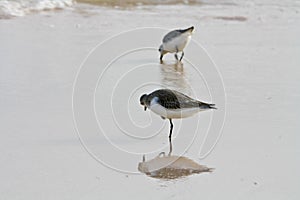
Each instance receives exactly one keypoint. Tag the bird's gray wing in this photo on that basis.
(171, 35)
(171, 99)
(166, 98)
(188, 102)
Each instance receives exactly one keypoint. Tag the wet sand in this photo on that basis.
(255, 47)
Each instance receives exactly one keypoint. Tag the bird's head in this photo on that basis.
(160, 48)
(143, 101)
(162, 51)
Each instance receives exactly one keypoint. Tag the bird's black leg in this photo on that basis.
(176, 57)
(171, 147)
(161, 57)
(171, 129)
(181, 56)
(176, 53)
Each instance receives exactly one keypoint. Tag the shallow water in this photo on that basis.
(256, 156)
(129, 3)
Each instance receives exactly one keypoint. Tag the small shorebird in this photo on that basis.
(170, 104)
(175, 41)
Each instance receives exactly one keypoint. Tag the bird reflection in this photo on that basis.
(174, 77)
(171, 166)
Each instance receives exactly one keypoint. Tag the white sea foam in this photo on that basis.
(11, 8)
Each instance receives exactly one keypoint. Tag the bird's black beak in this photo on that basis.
(145, 108)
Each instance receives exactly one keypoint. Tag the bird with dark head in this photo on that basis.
(143, 101)
(170, 104)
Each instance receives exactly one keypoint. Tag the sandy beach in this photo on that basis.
(70, 82)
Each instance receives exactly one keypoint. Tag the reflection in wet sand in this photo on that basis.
(174, 77)
(171, 167)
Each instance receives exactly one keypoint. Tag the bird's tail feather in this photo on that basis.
(207, 106)
(188, 29)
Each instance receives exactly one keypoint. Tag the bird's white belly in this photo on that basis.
(177, 43)
(173, 113)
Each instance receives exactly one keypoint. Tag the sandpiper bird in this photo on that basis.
(175, 41)
(170, 104)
